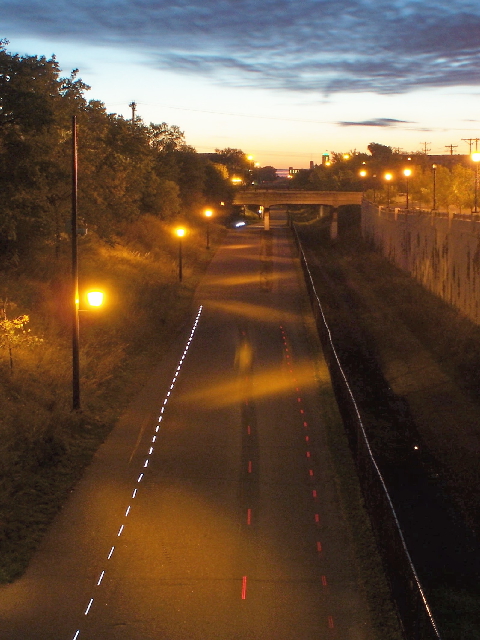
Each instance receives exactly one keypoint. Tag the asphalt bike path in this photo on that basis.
(211, 511)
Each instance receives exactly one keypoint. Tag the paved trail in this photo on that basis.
(211, 511)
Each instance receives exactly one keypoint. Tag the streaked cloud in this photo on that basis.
(378, 122)
(310, 46)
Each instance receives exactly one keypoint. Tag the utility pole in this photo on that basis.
(451, 147)
(425, 149)
(470, 143)
(133, 107)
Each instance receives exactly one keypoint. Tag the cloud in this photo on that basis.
(378, 122)
(318, 46)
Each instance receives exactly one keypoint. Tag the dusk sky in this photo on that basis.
(284, 80)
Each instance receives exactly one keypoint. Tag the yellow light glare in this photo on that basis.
(180, 232)
(407, 172)
(95, 298)
(476, 156)
(388, 176)
(208, 213)
(363, 173)
(236, 180)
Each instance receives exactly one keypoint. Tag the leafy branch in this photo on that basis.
(14, 334)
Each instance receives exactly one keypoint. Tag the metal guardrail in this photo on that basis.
(413, 609)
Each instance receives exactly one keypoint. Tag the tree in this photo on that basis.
(35, 106)
(234, 159)
(217, 187)
(265, 174)
(462, 186)
(13, 333)
(164, 137)
(380, 152)
(161, 197)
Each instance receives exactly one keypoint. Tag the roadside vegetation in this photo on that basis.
(44, 445)
(136, 183)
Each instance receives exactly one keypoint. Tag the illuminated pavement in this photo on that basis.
(211, 511)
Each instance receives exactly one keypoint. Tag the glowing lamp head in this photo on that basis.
(388, 177)
(95, 298)
(208, 213)
(407, 172)
(180, 232)
(363, 173)
(476, 156)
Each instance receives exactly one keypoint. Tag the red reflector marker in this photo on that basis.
(244, 587)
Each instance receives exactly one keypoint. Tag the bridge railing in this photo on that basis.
(413, 609)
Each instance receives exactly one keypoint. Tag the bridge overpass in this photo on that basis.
(269, 197)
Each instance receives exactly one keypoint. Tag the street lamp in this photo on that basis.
(407, 173)
(95, 298)
(476, 158)
(208, 214)
(434, 169)
(388, 177)
(363, 174)
(180, 233)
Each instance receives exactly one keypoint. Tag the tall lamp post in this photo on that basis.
(388, 177)
(476, 158)
(208, 215)
(180, 233)
(94, 298)
(407, 173)
(434, 169)
(250, 168)
(76, 302)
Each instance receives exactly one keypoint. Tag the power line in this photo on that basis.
(223, 113)
(470, 142)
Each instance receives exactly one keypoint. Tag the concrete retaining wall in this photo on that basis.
(440, 251)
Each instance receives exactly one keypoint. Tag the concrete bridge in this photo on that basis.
(269, 197)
